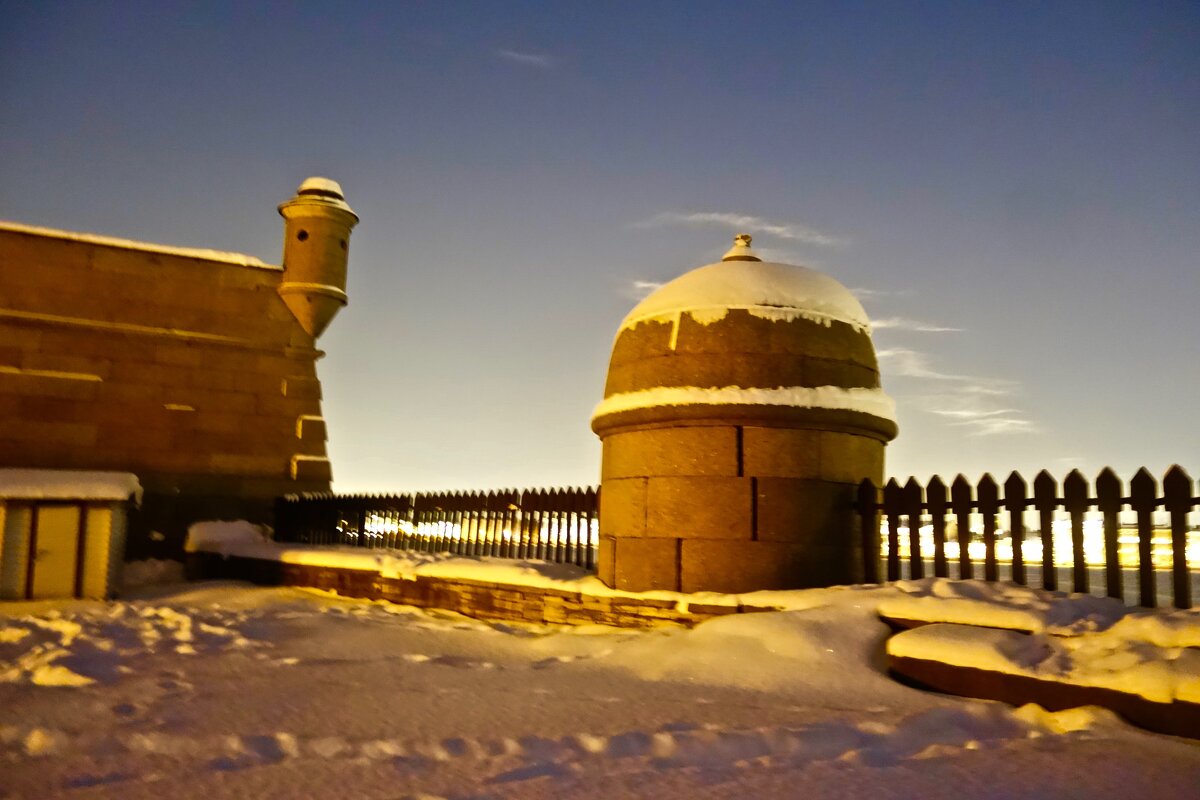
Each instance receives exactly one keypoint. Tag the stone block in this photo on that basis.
(834, 372)
(240, 463)
(218, 377)
(271, 403)
(311, 428)
(606, 561)
(53, 409)
(301, 387)
(281, 366)
(145, 373)
(711, 369)
(802, 510)
(643, 565)
(648, 339)
(184, 353)
(737, 567)
(623, 507)
(699, 508)
(780, 452)
(311, 468)
(66, 363)
(846, 458)
(41, 433)
(740, 331)
(34, 385)
(226, 402)
(699, 450)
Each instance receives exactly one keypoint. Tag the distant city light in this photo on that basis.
(1093, 544)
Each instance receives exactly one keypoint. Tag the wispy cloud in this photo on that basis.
(905, 363)
(539, 60)
(639, 289)
(863, 293)
(966, 415)
(980, 405)
(999, 425)
(743, 223)
(905, 324)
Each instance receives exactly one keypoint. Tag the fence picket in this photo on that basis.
(868, 516)
(591, 503)
(960, 501)
(1143, 498)
(1015, 500)
(1177, 499)
(1045, 500)
(1108, 500)
(912, 510)
(893, 499)
(935, 501)
(989, 506)
(1075, 501)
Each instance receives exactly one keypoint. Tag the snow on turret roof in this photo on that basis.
(67, 484)
(752, 284)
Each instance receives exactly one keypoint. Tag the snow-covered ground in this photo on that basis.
(223, 690)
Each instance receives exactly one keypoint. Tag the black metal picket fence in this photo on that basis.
(548, 524)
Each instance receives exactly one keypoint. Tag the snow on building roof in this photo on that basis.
(866, 401)
(147, 247)
(742, 281)
(64, 484)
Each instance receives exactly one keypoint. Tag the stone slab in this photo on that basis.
(699, 508)
(731, 566)
(847, 458)
(803, 510)
(643, 565)
(623, 507)
(682, 451)
(781, 452)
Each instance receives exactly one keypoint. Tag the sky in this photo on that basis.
(1012, 190)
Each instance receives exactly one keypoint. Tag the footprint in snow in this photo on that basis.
(461, 662)
(546, 663)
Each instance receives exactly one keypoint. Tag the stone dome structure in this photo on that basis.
(742, 408)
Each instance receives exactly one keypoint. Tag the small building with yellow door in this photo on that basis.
(62, 532)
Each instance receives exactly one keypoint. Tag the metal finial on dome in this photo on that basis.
(741, 250)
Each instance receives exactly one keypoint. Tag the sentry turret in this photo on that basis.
(316, 243)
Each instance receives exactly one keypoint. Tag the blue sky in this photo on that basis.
(1024, 178)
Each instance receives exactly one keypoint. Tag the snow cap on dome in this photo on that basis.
(744, 281)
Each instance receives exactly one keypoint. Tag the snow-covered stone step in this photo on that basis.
(1152, 686)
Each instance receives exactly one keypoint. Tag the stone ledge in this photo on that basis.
(1177, 718)
(470, 598)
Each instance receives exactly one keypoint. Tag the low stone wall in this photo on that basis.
(487, 601)
(1177, 718)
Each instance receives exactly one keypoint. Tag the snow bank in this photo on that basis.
(224, 690)
(1000, 605)
(1106, 660)
(226, 538)
(63, 484)
(775, 290)
(866, 401)
(246, 540)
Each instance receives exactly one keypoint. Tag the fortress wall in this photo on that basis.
(184, 367)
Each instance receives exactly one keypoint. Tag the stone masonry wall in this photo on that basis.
(731, 498)
(475, 599)
(186, 370)
(724, 508)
